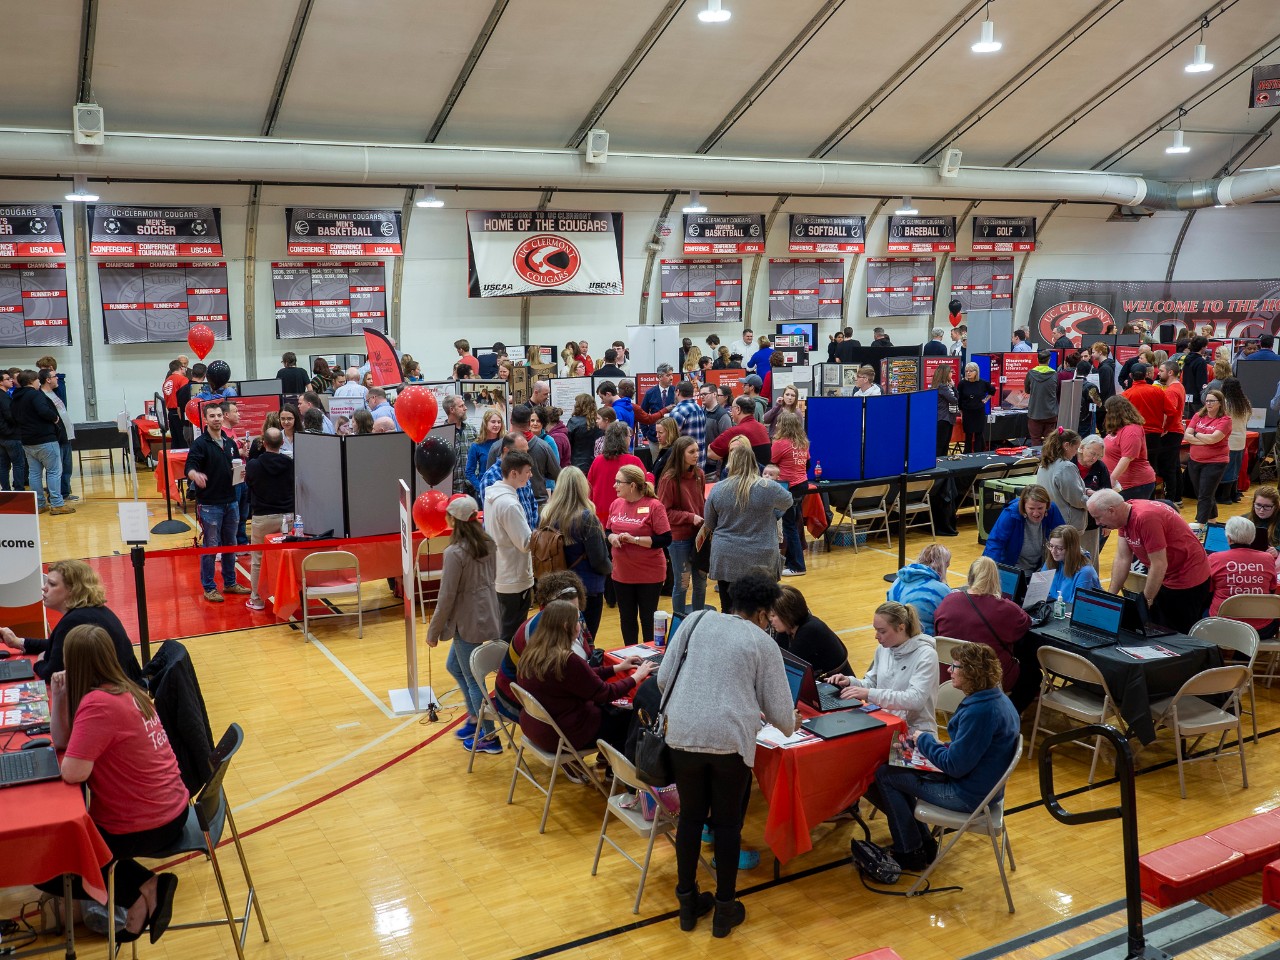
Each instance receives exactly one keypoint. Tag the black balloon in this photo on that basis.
(434, 459)
(955, 306)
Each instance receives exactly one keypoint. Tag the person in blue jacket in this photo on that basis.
(1069, 564)
(923, 584)
(1022, 530)
(983, 734)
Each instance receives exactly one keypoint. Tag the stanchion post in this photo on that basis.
(139, 557)
(168, 525)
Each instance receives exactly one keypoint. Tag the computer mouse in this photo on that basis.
(5, 654)
(37, 743)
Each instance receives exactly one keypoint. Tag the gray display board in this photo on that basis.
(900, 286)
(158, 301)
(375, 463)
(337, 299)
(701, 291)
(1258, 379)
(33, 305)
(982, 283)
(317, 484)
(808, 289)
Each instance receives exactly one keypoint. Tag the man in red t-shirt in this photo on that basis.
(464, 356)
(1178, 576)
(1168, 466)
(174, 382)
(1150, 401)
(745, 424)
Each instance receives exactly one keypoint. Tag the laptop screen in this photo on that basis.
(1010, 580)
(1215, 538)
(795, 678)
(1096, 610)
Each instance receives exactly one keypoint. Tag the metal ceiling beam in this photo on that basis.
(88, 36)
(477, 50)
(286, 66)
(84, 94)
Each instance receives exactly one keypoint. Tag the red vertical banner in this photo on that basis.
(384, 361)
(22, 573)
(727, 378)
(933, 363)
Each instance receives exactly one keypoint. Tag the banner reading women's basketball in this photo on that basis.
(543, 253)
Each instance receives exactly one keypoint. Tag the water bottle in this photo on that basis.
(817, 470)
(297, 525)
(286, 523)
(1059, 607)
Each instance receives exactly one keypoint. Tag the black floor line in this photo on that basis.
(1035, 936)
(1218, 930)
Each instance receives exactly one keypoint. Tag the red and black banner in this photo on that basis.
(384, 360)
(900, 286)
(1004, 234)
(806, 289)
(119, 230)
(922, 234)
(329, 299)
(822, 233)
(33, 304)
(315, 231)
(723, 233)
(1264, 90)
(31, 230)
(982, 283)
(701, 291)
(153, 301)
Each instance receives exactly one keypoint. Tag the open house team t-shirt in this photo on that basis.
(644, 518)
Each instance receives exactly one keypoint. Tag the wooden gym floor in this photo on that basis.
(367, 838)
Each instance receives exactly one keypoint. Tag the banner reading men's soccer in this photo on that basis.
(543, 253)
(120, 230)
(31, 230)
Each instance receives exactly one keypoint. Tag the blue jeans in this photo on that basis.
(66, 469)
(896, 790)
(12, 455)
(44, 462)
(242, 502)
(1234, 459)
(218, 525)
(459, 666)
(793, 542)
(681, 552)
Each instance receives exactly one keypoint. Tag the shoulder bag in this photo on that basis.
(653, 756)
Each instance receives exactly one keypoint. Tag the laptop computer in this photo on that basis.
(1013, 582)
(1215, 538)
(841, 724)
(1095, 619)
(1137, 616)
(15, 670)
(823, 697)
(28, 766)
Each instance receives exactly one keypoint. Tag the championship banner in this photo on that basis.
(806, 289)
(922, 234)
(982, 283)
(154, 301)
(22, 574)
(33, 304)
(384, 361)
(1004, 234)
(543, 253)
(343, 233)
(820, 233)
(701, 291)
(31, 230)
(900, 286)
(117, 230)
(1084, 308)
(342, 299)
(721, 233)
(1264, 89)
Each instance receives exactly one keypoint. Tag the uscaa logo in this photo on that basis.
(1077, 317)
(546, 260)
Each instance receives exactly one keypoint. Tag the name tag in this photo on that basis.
(642, 511)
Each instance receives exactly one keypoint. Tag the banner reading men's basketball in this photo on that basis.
(543, 253)
(117, 230)
(343, 233)
(31, 230)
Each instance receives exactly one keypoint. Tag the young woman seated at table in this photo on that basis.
(114, 741)
(1071, 566)
(798, 631)
(983, 734)
(1243, 569)
(903, 678)
(1265, 515)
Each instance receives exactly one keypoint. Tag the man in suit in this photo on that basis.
(656, 400)
(935, 347)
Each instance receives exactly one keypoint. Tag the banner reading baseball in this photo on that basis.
(117, 230)
(543, 253)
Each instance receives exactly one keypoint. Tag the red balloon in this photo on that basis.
(200, 339)
(416, 412)
(428, 513)
(955, 318)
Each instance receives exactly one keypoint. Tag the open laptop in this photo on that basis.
(28, 766)
(15, 670)
(1215, 538)
(1013, 582)
(823, 697)
(1137, 616)
(1095, 619)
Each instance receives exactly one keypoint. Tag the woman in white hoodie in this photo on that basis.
(903, 678)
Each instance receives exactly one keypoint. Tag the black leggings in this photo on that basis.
(944, 436)
(593, 612)
(637, 603)
(711, 787)
(1205, 478)
(130, 875)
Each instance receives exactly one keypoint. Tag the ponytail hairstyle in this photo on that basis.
(902, 616)
(1053, 451)
(630, 473)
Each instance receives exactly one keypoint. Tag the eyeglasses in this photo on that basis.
(1263, 505)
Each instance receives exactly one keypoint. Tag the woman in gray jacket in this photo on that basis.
(1060, 475)
(467, 610)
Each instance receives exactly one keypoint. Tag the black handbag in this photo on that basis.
(653, 756)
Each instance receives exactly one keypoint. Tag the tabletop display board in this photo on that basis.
(900, 375)
(807, 331)
(336, 361)
(479, 395)
(900, 286)
(982, 283)
(930, 364)
(158, 301)
(1258, 379)
(565, 390)
(522, 353)
(1008, 374)
(701, 291)
(856, 438)
(329, 299)
(809, 289)
(727, 378)
(33, 304)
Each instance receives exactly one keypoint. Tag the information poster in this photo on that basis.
(540, 253)
(334, 299)
(922, 234)
(933, 363)
(821, 233)
(31, 230)
(982, 283)
(565, 390)
(723, 233)
(118, 230)
(158, 301)
(21, 574)
(727, 378)
(253, 414)
(900, 286)
(900, 375)
(1014, 368)
(33, 304)
(701, 291)
(320, 232)
(806, 289)
(1004, 234)
(479, 396)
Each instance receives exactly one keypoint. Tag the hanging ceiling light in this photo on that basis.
(1199, 62)
(428, 197)
(715, 12)
(1178, 145)
(988, 43)
(82, 194)
(695, 204)
(907, 209)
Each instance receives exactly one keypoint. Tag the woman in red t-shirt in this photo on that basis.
(1208, 432)
(638, 532)
(1125, 450)
(603, 472)
(114, 740)
(790, 453)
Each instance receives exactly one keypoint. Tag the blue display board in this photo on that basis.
(922, 435)
(834, 425)
(886, 447)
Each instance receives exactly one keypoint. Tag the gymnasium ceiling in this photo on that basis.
(1079, 84)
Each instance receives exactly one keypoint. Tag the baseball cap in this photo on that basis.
(463, 508)
(752, 381)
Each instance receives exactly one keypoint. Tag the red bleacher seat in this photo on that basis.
(1271, 884)
(1256, 838)
(1187, 869)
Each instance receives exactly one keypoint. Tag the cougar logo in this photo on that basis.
(546, 260)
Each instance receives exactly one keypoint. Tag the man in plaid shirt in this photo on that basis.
(512, 441)
(691, 418)
(464, 435)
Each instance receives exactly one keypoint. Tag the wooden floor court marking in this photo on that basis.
(355, 681)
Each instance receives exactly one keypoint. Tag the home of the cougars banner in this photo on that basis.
(819, 233)
(541, 253)
(723, 233)
(319, 232)
(118, 230)
(31, 230)
(922, 234)
(1264, 89)
(1235, 308)
(1004, 234)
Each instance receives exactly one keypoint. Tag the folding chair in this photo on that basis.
(1187, 715)
(1062, 690)
(485, 660)
(949, 696)
(1231, 634)
(207, 815)
(915, 502)
(432, 547)
(875, 508)
(330, 562)
(989, 818)
(1024, 467)
(1257, 606)
(993, 471)
(564, 752)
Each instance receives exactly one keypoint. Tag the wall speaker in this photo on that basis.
(949, 163)
(87, 124)
(595, 149)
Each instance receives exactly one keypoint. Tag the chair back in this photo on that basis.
(486, 659)
(330, 560)
(996, 810)
(539, 713)
(209, 801)
(1252, 606)
(916, 489)
(865, 497)
(624, 771)
(1215, 680)
(431, 547)
(946, 647)
(170, 678)
(1071, 666)
(1229, 635)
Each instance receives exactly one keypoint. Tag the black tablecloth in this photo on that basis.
(1006, 429)
(1136, 683)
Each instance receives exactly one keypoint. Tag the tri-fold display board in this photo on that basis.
(856, 438)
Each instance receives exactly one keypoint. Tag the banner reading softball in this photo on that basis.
(540, 253)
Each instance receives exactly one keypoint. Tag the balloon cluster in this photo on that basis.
(954, 309)
(434, 459)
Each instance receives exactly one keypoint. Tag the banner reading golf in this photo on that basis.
(922, 234)
(315, 231)
(1003, 234)
(819, 233)
(31, 230)
(33, 304)
(723, 233)
(117, 230)
(543, 253)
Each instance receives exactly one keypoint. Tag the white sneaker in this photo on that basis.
(788, 572)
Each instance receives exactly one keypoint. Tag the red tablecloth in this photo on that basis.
(177, 468)
(148, 434)
(45, 831)
(811, 782)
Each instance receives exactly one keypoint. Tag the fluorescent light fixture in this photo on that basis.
(907, 209)
(428, 197)
(715, 12)
(988, 43)
(695, 204)
(1198, 64)
(1178, 145)
(82, 194)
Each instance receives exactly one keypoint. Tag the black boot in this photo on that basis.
(692, 906)
(729, 913)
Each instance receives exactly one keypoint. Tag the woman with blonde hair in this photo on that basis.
(790, 454)
(974, 392)
(1209, 434)
(788, 402)
(569, 511)
(923, 585)
(491, 430)
(639, 531)
(903, 677)
(691, 358)
(668, 432)
(741, 522)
